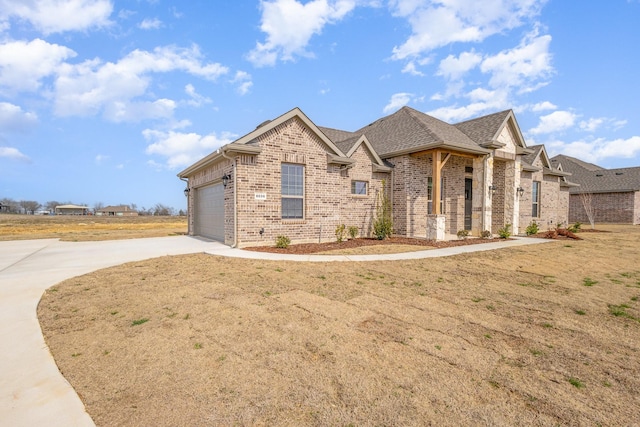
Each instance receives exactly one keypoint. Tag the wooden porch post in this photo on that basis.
(437, 169)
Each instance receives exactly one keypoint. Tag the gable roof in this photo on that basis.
(595, 179)
(485, 129)
(409, 131)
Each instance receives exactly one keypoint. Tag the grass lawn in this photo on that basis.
(86, 228)
(546, 334)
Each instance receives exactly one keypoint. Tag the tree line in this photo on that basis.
(32, 207)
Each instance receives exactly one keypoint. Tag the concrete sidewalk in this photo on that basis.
(32, 390)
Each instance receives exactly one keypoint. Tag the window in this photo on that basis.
(535, 196)
(292, 188)
(359, 187)
(430, 195)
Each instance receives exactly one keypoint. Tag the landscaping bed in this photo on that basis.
(420, 244)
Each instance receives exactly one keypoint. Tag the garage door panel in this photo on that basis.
(209, 210)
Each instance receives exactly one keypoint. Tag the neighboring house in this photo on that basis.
(612, 194)
(71, 210)
(122, 210)
(291, 177)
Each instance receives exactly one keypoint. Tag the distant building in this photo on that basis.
(122, 210)
(613, 194)
(71, 210)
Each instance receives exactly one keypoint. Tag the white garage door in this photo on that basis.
(209, 212)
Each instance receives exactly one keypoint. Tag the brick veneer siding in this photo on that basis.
(328, 201)
(410, 193)
(498, 217)
(623, 208)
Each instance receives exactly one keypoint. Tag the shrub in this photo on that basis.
(575, 227)
(486, 234)
(353, 231)
(463, 234)
(340, 233)
(532, 228)
(282, 242)
(505, 232)
(383, 224)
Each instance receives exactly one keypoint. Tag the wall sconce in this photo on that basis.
(225, 180)
(520, 191)
(492, 189)
(187, 191)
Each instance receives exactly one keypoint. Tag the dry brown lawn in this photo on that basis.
(86, 228)
(540, 335)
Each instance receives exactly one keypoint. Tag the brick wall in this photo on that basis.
(328, 201)
(620, 208)
(410, 194)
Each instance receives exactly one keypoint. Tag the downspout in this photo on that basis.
(186, 181)
(235, 196)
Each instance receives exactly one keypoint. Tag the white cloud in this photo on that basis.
(182, 149)
(243, 80)
(150, 24)
(436, 24)
(290, 24)
(555, 122)
(196, 100)
(600, 149)
(522, 67)
(397, 101)
(101, 158)
(482, 101)
(92, 86)
(410, 68)
(23, 65)
(543, 106)
(13, 154)
(56, 16)
(592, 124)
(14, 119)
(453, 68)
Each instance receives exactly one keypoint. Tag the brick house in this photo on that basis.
(612, 194)
(120, 210)
(291, 177)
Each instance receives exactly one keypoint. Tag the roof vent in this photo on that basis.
(598, 174)
(266, 122)
(619, 173)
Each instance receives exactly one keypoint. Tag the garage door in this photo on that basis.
(209, 212)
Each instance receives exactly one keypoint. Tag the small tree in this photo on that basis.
(383, 224)
(587, 203)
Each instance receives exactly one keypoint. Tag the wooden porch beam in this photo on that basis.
(455, 153)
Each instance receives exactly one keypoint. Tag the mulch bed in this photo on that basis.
(310, 248)
(558, 233)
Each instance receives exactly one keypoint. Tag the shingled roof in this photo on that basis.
(595, 179)
(407, 131)
(484, 130)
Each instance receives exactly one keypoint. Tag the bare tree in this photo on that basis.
(97, 206)
(51, 205)
(587, 203)
(29, 206)
(162, 210)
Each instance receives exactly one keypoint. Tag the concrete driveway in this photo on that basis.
(32, 390)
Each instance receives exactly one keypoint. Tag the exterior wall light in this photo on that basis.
(225, 180)
(187, 191)
(492, 189)
(520, 191)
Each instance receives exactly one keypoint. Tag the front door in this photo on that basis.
(468, 191)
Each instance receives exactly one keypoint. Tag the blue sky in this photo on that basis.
(106, 101)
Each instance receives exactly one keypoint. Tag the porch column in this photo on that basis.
(436, 222)
(482, 205)
(512, 201)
